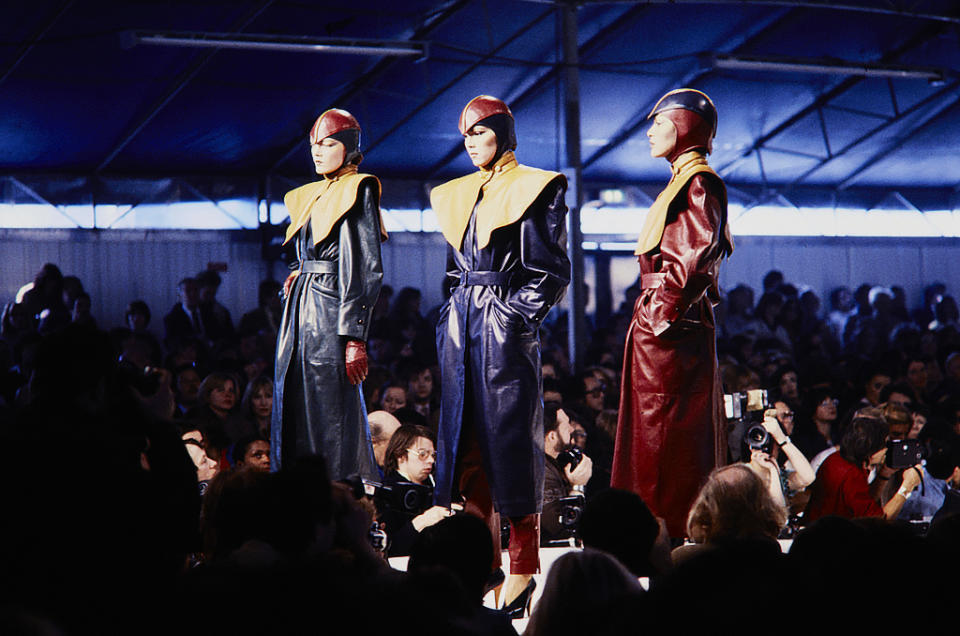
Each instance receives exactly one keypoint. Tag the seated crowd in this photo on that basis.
(140, 496)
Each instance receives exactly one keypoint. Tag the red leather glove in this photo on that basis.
(355, 358)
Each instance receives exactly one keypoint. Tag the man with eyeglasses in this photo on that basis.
(410, 457)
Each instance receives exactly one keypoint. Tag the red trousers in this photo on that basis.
(524, 548)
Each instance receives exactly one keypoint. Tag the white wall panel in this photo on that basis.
(117, 267)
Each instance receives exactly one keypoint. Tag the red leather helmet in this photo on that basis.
(481, 107)
(693, 114)
(332, 121)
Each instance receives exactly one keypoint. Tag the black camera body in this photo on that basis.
(758, 438)
(571, 456)
(571, 509)
(904, 453)
(405, 497)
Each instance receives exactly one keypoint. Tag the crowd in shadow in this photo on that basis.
(138, 500)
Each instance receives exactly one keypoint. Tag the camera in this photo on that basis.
(571, 456)
(743, 410)
(571, 509)
(405, 497)
(758, 438)
(903, 453)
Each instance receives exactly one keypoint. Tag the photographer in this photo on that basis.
(567, 470)
(410, 456)
(764, 442)
(841, 487)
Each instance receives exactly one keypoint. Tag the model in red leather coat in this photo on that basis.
(670, 432)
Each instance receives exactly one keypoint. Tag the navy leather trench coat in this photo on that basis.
(316, 410)
(489, 348)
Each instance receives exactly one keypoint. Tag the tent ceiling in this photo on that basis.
(76, 99)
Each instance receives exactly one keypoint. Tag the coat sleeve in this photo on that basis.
(690, 249)
(360, 270)
(543, 254)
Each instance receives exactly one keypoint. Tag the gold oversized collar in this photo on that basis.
(684, 168)
(324, 202)
(508, 191)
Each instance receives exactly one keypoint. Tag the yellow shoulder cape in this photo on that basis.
(508, 190)
(324, 202)
(684, 168)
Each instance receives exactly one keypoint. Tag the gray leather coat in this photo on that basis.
(316, 411)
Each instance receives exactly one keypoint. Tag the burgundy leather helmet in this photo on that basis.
(330, 122)
(479, 108)
(694, 116)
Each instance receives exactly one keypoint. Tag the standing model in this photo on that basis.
(321, 346)
(507, 266)
(670, 433)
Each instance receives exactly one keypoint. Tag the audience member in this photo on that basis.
(841, 487)
(382, 427)
(561, 479)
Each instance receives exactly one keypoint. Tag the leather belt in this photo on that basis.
(318, 267)
(651, 281)
(483, 279)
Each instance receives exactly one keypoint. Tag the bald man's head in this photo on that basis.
(382, 427)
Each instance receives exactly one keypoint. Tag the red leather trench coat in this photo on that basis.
(670, 432)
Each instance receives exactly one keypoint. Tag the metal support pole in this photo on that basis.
(602, 291)
(571, 105)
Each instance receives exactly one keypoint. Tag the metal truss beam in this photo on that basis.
(903, 138)
(797, 4)
(824, 99)
(32, 41)
(539, 84)
(639, 118)
(192, 71)
(470, 68)
(444, 13)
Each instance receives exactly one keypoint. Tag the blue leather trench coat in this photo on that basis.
(489, 349)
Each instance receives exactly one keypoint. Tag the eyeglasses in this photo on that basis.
(422, 453)
(578, 435)
(600, 390)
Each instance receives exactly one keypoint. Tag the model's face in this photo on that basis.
(417, 461)
(223, 399)
(663, 136)
(327, 155)
(258, 456)
(481, 145)
(262, 402)
(394, 398)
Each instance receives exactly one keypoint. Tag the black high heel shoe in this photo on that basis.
(520, 606)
